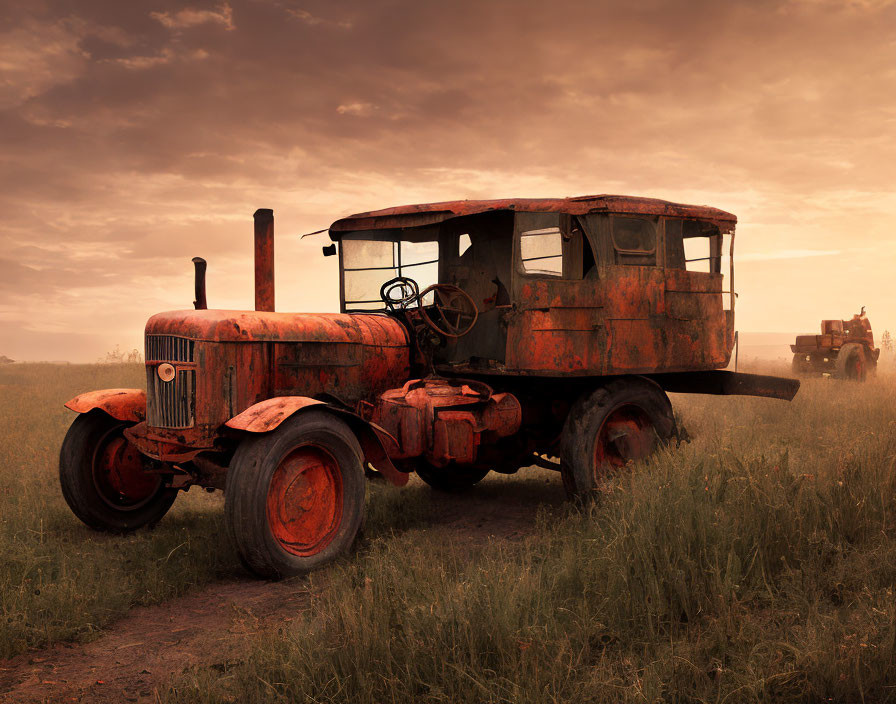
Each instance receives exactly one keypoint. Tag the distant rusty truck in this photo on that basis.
(844, 350)
(474, 336)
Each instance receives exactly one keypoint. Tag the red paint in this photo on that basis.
(267, 415)
(443, 420)
(626, 434)
(304, 504)
(431, 213)
(121, 404)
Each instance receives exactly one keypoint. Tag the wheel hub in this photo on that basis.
(626, 434)
(304, 504)
(120, 476)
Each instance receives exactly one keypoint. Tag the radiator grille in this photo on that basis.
(168, 348)
(170, 404)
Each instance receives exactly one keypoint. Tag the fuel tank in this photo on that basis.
(443, 420)
(206, 366)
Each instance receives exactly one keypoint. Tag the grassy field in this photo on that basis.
(58, 579)
(756, 563)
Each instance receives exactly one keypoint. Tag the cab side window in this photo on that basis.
(634, 240)
(541, 251)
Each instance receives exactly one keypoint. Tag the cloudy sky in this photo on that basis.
(136, 135)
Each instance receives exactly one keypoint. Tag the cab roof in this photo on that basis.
(433, 213)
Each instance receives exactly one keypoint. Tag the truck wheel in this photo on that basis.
(103, 480)
(851, 363)
(451, 478)
(627, 419)
(294, 498)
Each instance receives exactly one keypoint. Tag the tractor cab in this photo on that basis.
(587, 286)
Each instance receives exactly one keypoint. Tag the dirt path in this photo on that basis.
(138, 655)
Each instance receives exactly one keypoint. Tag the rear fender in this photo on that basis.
(267, 415)
(121, 404)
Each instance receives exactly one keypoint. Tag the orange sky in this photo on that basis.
(136, 135)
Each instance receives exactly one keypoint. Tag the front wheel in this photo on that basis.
(625, 420)
(295, 496)
(103, 479)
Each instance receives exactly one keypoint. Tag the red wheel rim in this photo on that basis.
(119, 476)
(859, 368)
(305, 501)
(627, 433)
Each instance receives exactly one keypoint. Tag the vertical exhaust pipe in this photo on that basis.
(200, 303)
(264, 259)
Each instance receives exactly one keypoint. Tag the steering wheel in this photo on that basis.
(456, 309)
(398, 292)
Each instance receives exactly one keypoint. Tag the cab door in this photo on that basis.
(556, 323)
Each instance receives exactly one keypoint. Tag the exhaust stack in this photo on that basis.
(200, 303)
(264, 259)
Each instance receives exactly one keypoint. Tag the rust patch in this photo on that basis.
(122, 404)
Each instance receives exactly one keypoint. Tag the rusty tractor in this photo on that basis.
(474, 336)
(844, 349)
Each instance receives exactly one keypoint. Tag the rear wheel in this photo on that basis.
(627, 419)
(103, 479)
(851, 362)
(452, 477)
(295, 496)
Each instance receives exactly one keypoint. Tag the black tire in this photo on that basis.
(260, 497)
(851, 362)
(89, 489)
(452, 478)
(634, 409)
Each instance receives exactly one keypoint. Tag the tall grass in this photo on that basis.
(755, 564)
(59, 579)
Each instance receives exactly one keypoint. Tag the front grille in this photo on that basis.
(168, 348)
(170, 404)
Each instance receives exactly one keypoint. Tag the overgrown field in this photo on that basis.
(756, 563)
(58, 578)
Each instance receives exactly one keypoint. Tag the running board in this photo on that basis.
(725, 383)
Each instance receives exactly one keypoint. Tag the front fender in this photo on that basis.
(121, 404)
(267, 415)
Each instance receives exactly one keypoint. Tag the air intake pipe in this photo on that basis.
(200, 303)
(264, 259)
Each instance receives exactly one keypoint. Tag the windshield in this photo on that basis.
(369, 263)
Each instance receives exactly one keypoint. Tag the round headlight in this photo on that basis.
(165, 372)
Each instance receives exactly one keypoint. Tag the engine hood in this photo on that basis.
(261, 326)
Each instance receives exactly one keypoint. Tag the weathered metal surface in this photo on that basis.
(165, 446)
(122, 404)
(443, 420)
(120, 475)
(720, 382)
(304, 501)
(267, 415)
(264, 259)
(822, 353)
(431, 213)
(242, 358)
(836, 333)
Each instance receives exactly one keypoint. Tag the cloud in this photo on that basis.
(190, 17)
(357, 109)
(157, 134)
(314, 20)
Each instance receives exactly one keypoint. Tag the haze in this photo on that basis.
(134, 136)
